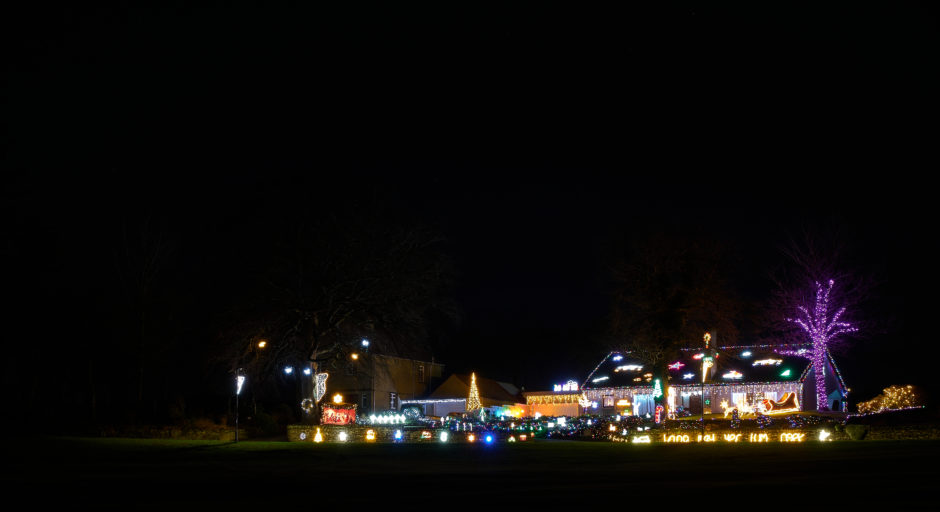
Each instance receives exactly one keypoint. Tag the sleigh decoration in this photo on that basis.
(786, 404)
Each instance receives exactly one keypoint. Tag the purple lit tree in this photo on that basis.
(822, 328)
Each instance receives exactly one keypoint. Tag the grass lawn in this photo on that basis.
(158, 474)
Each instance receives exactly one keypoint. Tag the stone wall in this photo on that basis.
(157, 432)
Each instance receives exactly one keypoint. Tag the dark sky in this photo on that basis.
(533, 137)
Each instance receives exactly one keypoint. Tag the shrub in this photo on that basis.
(857, 432)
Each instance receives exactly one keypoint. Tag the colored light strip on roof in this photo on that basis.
(767, 362)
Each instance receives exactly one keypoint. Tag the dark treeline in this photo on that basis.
(128, 293)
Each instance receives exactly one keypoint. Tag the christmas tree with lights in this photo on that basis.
(473, 401)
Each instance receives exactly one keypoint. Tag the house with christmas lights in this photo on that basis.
(748, 378)
(563, 400)
(500, 398)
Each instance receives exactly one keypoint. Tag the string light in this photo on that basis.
(822, 330)
(554, 399)
(321, 384)
(892, 398)
(473, 401)
(766, 362)
(676, 365)
(629, 368)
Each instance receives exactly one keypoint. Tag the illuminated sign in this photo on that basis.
(733, 438)
(707, 438)
(684, 438)
(623, 402)
(792, 437)
(732, 375)
(568, 386)
(759, 438)
(641, 439)
(338, 415)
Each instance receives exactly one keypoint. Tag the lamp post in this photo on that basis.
(365, 349)
(707, 363)
(239, 382)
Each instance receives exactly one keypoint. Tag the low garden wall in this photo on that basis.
(159, 432)
(359, 434)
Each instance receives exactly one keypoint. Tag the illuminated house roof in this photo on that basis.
(746, 364)
(491, 392)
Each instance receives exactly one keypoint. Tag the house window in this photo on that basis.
(393, 401)
(420, 373)
(608, 400)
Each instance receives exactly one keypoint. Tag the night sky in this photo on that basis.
(535, 140)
